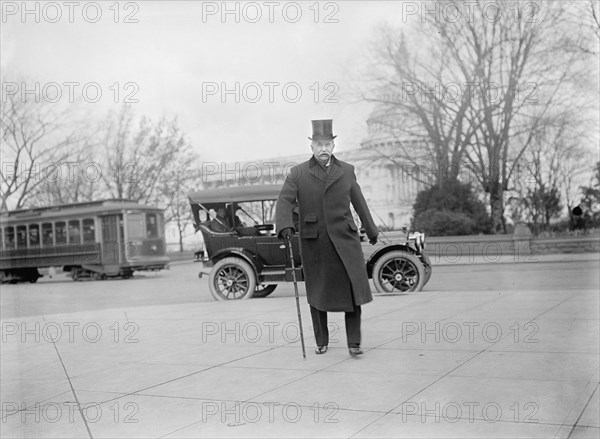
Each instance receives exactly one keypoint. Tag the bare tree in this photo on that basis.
(539, 177)
(563, 154)
(586, 15)
(485, 87)
(175, 185)
(37, 140)
(151, 163)
(136, 163)
(80, 180)
(414, 89)
(518, 55)
(115, 136)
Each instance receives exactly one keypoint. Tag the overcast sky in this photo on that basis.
(176, 50)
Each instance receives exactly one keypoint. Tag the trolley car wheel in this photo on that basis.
(31, 275)
(263, 290)
(398, 271)
(232, 279)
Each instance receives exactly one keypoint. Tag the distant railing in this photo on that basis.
(490, 245)
(486, 246)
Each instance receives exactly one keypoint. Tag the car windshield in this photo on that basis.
(248, 213)
(253, 205)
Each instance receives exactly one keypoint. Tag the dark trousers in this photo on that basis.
(319, 321)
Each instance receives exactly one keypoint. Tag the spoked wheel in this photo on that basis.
(232, 279)
(263, 290)
(398, 271)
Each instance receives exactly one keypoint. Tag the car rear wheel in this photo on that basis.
(398, 271)
(263, 290)
(232, 279)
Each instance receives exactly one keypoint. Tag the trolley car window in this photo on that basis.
(74, 232)
(47, 234)
(9, 237)
(34, 235)
(89, 232)
(135, 226)
(21, 236)
(61, 232)
(151, 226)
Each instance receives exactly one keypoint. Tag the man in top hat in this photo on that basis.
(332, 260)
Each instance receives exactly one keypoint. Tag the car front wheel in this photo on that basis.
(232, 279)
(398, 271)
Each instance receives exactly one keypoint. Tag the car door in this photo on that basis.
(273, 251)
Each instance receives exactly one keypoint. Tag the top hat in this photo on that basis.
(322, 130)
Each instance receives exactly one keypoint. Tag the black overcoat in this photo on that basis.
(332, 257)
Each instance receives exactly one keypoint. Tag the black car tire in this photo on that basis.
(232, 279)
(398, 272)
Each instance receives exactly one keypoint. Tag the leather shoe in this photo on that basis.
(355, 351)
(320, 350)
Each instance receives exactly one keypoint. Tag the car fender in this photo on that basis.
(256, 264)
(382, 251)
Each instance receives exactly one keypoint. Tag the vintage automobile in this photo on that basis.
(244, 261)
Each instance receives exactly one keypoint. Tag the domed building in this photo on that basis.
(391, 169)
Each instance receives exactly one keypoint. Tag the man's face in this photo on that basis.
(221, 212)
(322, 149)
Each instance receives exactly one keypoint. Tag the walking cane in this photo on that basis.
(291, 253)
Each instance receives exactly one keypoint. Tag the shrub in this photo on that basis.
(444, 223)
(450, 208)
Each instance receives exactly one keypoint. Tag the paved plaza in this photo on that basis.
(486, 350)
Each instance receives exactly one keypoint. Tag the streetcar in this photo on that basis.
(249, 260)
(93, 240)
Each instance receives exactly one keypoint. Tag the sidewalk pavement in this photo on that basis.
(436, 364)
